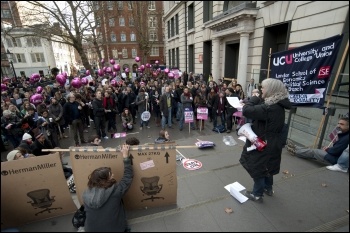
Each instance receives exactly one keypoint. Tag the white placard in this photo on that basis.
(235, 190)
(234, 102)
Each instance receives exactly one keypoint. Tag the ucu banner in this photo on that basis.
(306, 70)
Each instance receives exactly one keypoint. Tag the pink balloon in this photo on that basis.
(84, 81)
(3, 87)
(137, 59)
(158, 69)
(100, 72)
(61, 79)
(104, 69)
(34, 78)
(65, 74)
(155, 74)
(114, 74)
(112, 61)
(102, 60)
(142, 67)
(39, 89)
(36, 99)
(116, 67)
(126, 70)
(166, 70)
(157, 61)
(170, 75)
(76, 83)
(147, 65)
(87, 72)
(114, 83)
(109, 70)
(6, 80)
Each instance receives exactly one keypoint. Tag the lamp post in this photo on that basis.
(10, 57)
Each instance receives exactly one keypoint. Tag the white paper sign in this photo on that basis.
(234, 102)
(147, 164)
(235, 190)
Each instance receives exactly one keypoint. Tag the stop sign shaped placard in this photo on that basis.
(191, 164)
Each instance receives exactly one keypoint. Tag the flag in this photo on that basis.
(334, 134)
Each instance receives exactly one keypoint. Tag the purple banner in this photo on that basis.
(306, 70)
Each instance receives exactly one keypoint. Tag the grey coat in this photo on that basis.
(104, 207)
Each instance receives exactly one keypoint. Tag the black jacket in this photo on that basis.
(268, 121)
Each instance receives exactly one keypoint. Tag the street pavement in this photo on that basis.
(307, 196)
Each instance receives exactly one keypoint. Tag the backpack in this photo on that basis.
(79, 217)
(220, 129)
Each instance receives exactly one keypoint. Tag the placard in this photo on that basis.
(202, 113)
(188, 115)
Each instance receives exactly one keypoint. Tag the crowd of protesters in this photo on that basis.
(111, 106)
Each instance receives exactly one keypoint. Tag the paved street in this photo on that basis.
(307, 197)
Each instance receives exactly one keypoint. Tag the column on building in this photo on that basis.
(216, 59)
(243, 60)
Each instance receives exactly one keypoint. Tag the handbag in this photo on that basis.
(79, 217)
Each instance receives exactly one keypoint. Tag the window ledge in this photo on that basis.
(190, 31)
(173, 38)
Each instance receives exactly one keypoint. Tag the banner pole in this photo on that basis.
(268, 68)
(132, 148)
(332, 90)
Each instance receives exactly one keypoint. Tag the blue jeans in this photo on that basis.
(222, 118)
(343, 160)
(169, 118)
(262, 183)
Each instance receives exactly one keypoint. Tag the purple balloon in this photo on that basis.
(116, 67)
(139, 69)
(3, 87)
(87, 72)
(166, 70)
(102, 60)
(158, 69)
(104, 69)
(170, 75)
(65, 74)
(137, 59)
(114, 83)
(36, 99)
(39, 89)
(126, 70)
(112, 61)
(142, 67)
(84, 81)
(157, 61)
(109, 70)
(34, 78)
(61, 79)
(76, 83)
(114, 74)
(100, 72)
(147, 65)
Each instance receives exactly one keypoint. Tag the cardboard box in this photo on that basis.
(33, 189)
(155, 180)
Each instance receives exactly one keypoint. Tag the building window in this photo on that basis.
(172, 27)
(231, 4)
(191, 58)
(168, 28)
(110, 5)
(132, 37)
(125, 53)
(133, 53)
(98, 22)
(115, 53)
(33, 42)
(173, 57)
(154, 51)
(177, 24)
(121, 21)
(122, 37)
(120, 5)
(15, 42)
(153, 36)
(151, 5)
(207, 11)
(5, 14)
(152, 22)
(111, 22)
(37, 57)
(169, 56)
(131, 22)
(113, 37)
(177, 57)
(19, 58)
(129, 5)
(190, 16)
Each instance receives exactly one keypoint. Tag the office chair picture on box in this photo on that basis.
(41, 199)
(151, 187)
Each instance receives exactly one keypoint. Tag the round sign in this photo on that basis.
(191, 164)
(145, 116)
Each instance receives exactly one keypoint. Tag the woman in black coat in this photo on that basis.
(268, 119)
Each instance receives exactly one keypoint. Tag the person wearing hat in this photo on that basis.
(18, 153)
(40, 144)
(27, 142)
(230, 109)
